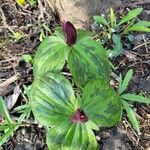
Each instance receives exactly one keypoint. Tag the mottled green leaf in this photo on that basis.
(52, 99)
(92, 125)
(88, 60)
(75, 136)
(83, 33)
(136, 98)
(131, 15)
(131, 115)
(101, 103)
(80, 33)
(50, 56)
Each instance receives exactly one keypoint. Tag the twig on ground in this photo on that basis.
(5, 20)
(40, 6)
(9, 81)
(146, 47)
(3, 17)
(8, 60)
(66, 73)
(140, 62)
(145, 43)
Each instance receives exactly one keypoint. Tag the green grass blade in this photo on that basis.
(120, 82)
(112, 18)
(132, 116)
(24, 115)
(4, 111)
(4, 127)
(142, 26)
(21, 108)
(143, 23)
(131, 15)
(101, 20)
(137, 28)
(5, 137)
(125, 82)
(136, 98)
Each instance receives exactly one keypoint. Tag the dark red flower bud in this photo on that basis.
(70, 32)
(79, 116)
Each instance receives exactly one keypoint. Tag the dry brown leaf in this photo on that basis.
(12, 99)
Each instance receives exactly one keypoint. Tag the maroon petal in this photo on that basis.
(70, 32)
(79, 116)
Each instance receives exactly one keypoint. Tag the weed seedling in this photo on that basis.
(116, 31)
(128, 97)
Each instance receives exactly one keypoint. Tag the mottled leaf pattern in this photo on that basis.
(87, 60)
(52, 99)
(51, 55)
(71, 137)
(101, 103)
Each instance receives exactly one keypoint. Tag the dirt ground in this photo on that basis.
(29, 22)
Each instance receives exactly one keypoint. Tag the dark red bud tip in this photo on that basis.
(70, 32)
(79, 116)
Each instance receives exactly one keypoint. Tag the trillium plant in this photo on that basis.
(72, 117)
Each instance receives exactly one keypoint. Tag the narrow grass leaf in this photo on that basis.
(143, 23)
(120, 81)
(4, 127)
(112, 18)
(136, 98)
(142, 26)
(131, 15)
(131, 115)
(4, 111)
(101, 20)
(138, 28)
(126, 81)
(5, 136)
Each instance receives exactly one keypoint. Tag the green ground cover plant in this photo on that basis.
(53, 100)
(118, 30)
(7, 125)
(71, 116)
(130, 97)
